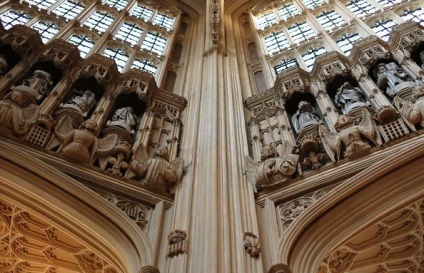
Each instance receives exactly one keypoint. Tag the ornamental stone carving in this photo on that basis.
(38, 86)
(412, 110)
(273, 168)
(157, 170)
(352, 138)
(124, 117)
(391, 79)
(251, 244)
(349, 97)
(178, 243)
(305, 115)
(82, 102)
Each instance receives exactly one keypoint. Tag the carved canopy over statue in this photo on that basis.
(157, 170)
(351, 139)
(124, 117)
(81, 102)
(273, 167)
(305, 115)
(412, 111)
(37, 86)
(3, 65)
(349, 97)
(391, 78)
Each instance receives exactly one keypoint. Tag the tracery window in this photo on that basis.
(46, 29)
(276, 42)
(330, 20)
(389, 3)
(285, 64)
(99, 20)
(41, 4)
(313, 3)
(360, 8)
(415, 14)
(164, 21)
(267, 20)
(288, 11)
(346, 41)
(142, 12)
(154, 43)
(11, 18)
(118, 4)
(300, 32)
(118, 55)
(310, 56)
(83, 42)
(383, 27)
(144, 65)
(69, 9)
(130, 33)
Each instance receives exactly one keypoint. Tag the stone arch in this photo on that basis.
(386, 187)
(74, 209)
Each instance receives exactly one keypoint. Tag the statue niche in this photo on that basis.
(124, 117)
(349, 97)
(391, 79)
(352, 139)
(82, 102)
(273, 168)
(305, 115)
(19, 108)
(157, 171)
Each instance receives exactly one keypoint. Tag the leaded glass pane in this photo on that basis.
(129, 33)
(267, 20)
(142, 12)
(154, 43)
(330, 20)
(288, 11)
(313, 3)
(417, 15)
(69, 9)
(99, 21)
(164, 21)
(11, 18)
(83, 43)
(144, 65)
(41, 4)
(310, 56)
(383, 28)
(276, 42)
(346, 42)
(46, 29)
(361, 8)
(300, 32)
(389, 3)
(118, 55)
(118, 4)
(285, 64)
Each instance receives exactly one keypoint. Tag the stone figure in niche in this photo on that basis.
(412, 111)
(18, 112)
(157, 170)
(37, 86)
(349, 97)
(80, 144)
(305, 115)
(273, 168)
(81, 102)
(352, 139)
(389, 77)
(3, 65)
(124, 117)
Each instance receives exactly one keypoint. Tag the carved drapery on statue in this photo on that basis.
(305, 115)
(391, 79)
(412, 110)
(349, 97)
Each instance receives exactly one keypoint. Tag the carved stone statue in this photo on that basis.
(412, 111)
(351, 140)
(348, 97)
(37, 86)
(157, 171)
(17, 112)
(124, 117)
(389, 76)
(273, 167)
(305, 115)
(81, 103)
(3, 65)
(81, 144)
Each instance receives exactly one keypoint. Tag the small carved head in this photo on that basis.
(89, 125)
(305, 106)
(268, 152)
(161, 151)
(289, 164)
(343, 122)
(379, 69)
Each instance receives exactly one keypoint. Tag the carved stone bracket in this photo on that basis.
(251, 244)
(178, 243)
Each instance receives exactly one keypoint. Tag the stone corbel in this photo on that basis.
(279, 268)
(149, 269)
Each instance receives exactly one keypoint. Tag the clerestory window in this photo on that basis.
(361, 8)
(276, 42)
(46, 29)
(11, 18)
(346, 41)
(118, 55)
(99, 20)
(285, 64)
(383, 27)
(310, 56)
(69, 9)
(330, 20)
(300, 32)
(83, 42)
